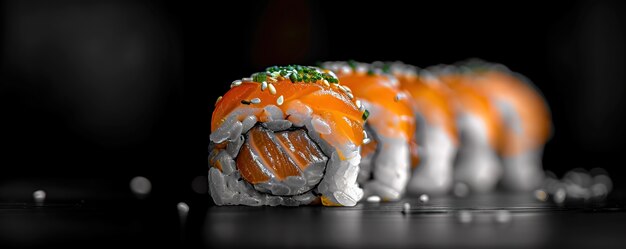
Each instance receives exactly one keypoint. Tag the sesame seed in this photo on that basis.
(347, 88)
(358, 104)
(272, 88)
(263, 86)
(398, 97)
(346, 70)
(255, 101)
(364, 134)
(246, 79)
(373, 198)
(406, 208)
(235, 83)
(343, 88)
(218, 100)
(325, 82)
(280, 100)
(331, 73)
(366, 141)
(350, 95)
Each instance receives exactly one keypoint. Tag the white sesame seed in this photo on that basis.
(235, 83)
(350, 95)
(346, 69)
(331, 73)
(364, 134)
(218, 100)
(39, 196)
(255, 101)
(406, 208)
(559, 196)
(373, 198)
(424, 198)
(182, 207)
(325, 82)
(272, 88)
(263, 86)
(358, 104)
(280, 100)
(366, 141)
(246, 79)
(347, 88)
(398, 97)
(343, 88)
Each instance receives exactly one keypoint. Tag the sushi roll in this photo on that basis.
(386, 157)
(525, 117)
(477, 163)
(436, 133)
(286, 136)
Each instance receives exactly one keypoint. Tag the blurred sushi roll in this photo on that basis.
(386, 156)
(436, 133)
(525, 119)
(477, 163)
(286, 136)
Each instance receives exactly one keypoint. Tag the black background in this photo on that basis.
(93, 93)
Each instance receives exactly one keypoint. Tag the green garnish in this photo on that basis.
(297, 73)
(366, 114)
(259, 77)
(370, 72)
(386, 68)
(352, 64)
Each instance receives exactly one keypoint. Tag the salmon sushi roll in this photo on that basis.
(386, 157)
(286, 136)
(477, 163)
(525, 117)
(436, 134)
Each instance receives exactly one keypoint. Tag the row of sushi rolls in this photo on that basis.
(342, 131)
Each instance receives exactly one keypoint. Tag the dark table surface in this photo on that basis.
(494, 220)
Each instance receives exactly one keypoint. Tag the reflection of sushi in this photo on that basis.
(287, 136)
(525, 118)
(436, 132)
(386, 159)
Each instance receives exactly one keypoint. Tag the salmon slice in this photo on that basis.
(429, 99)
(378, 89)
(324, 100)
(281, 154)
(271, 154)
(300, 148)
(250, 168)
(470, 98)
(532, 109)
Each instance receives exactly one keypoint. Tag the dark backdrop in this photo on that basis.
(93, 93)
